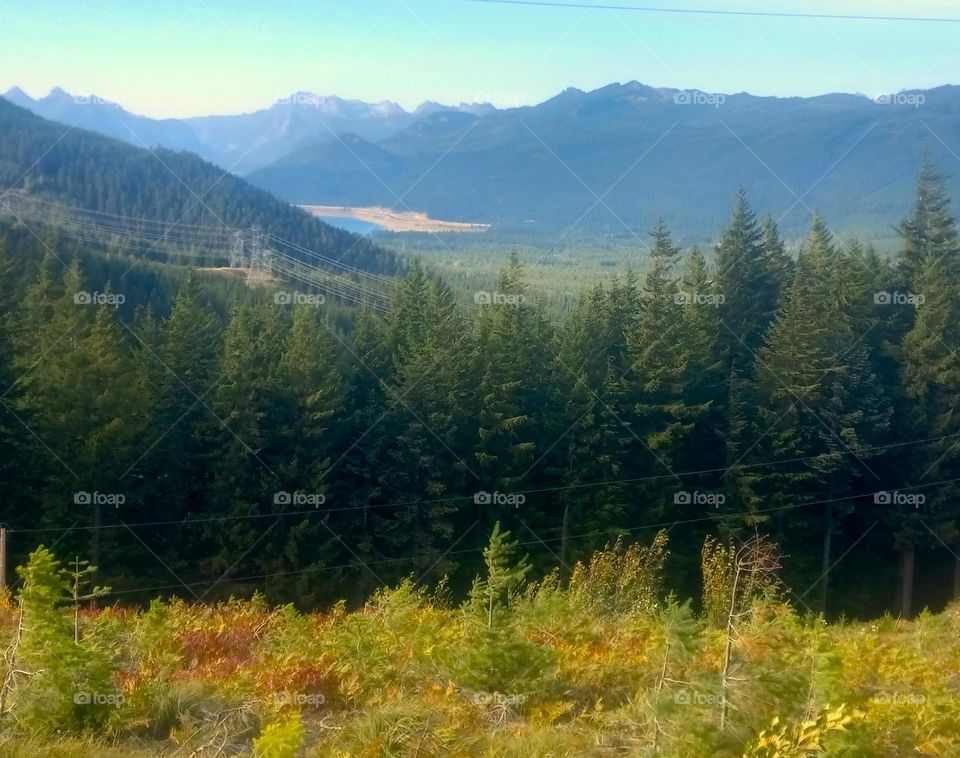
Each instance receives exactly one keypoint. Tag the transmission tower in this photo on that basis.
(237, 252)
(261, 258)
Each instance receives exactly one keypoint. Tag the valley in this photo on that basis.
(479, 379)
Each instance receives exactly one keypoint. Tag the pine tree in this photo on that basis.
(776, 261)
(590, 395)
(109, 407)
(745, 281)
(929, 268)
(499, 659)
(822, 400)
(307, 426)
(365, 448)
(172, 476)
(704, 384)
(512, 366)
(931, 387)
(660, 420)
(85, 409)
(430, 449)
(15, 480)
(505, 574)
(931, 232)
(62, 673)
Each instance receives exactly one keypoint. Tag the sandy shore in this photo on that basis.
(395, 221)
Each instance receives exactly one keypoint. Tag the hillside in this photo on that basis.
(81, 169)
(598, 667)
(623, 155)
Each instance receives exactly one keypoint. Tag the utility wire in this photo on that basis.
(531, 543)
(455, 498)
(719, 12)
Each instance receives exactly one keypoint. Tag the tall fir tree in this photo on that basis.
(660, 420)
(745, 281)
(825, 408)
(930, 233)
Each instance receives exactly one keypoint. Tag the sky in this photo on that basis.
(177, 58)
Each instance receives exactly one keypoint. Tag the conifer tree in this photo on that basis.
(500, 658)
(108, 407)
(14, 439)
(745, 281)
(931, 388)
(823, 402)
(660, 420)
(173, 472)
(512, 365)
(308, 432)
(704, 384)
(58, 675)
(430, 448)
(591, 399)
(248, 432)
(776, 261)
(930, 233)
(928, 268)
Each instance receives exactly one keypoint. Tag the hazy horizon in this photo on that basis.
(207, 58)
(88, 93)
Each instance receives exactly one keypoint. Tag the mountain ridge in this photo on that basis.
(226, 140)
(650, 148)
(623, 155)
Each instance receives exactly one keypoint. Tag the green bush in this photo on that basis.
(281, 739)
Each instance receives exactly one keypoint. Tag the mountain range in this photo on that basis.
(244, 142)
(609, 161)
(614, 160)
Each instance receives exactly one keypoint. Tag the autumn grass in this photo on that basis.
(600, 665)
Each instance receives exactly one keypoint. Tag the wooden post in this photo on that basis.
(3, 557)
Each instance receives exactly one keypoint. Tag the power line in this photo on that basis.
(563, 488)
(719, 12)
(176, 522)
(151, 236)
(530, 543)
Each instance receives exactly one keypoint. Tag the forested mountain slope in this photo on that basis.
(46, 159)
(809, 398)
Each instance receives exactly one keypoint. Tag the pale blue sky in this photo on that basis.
(193, 57)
